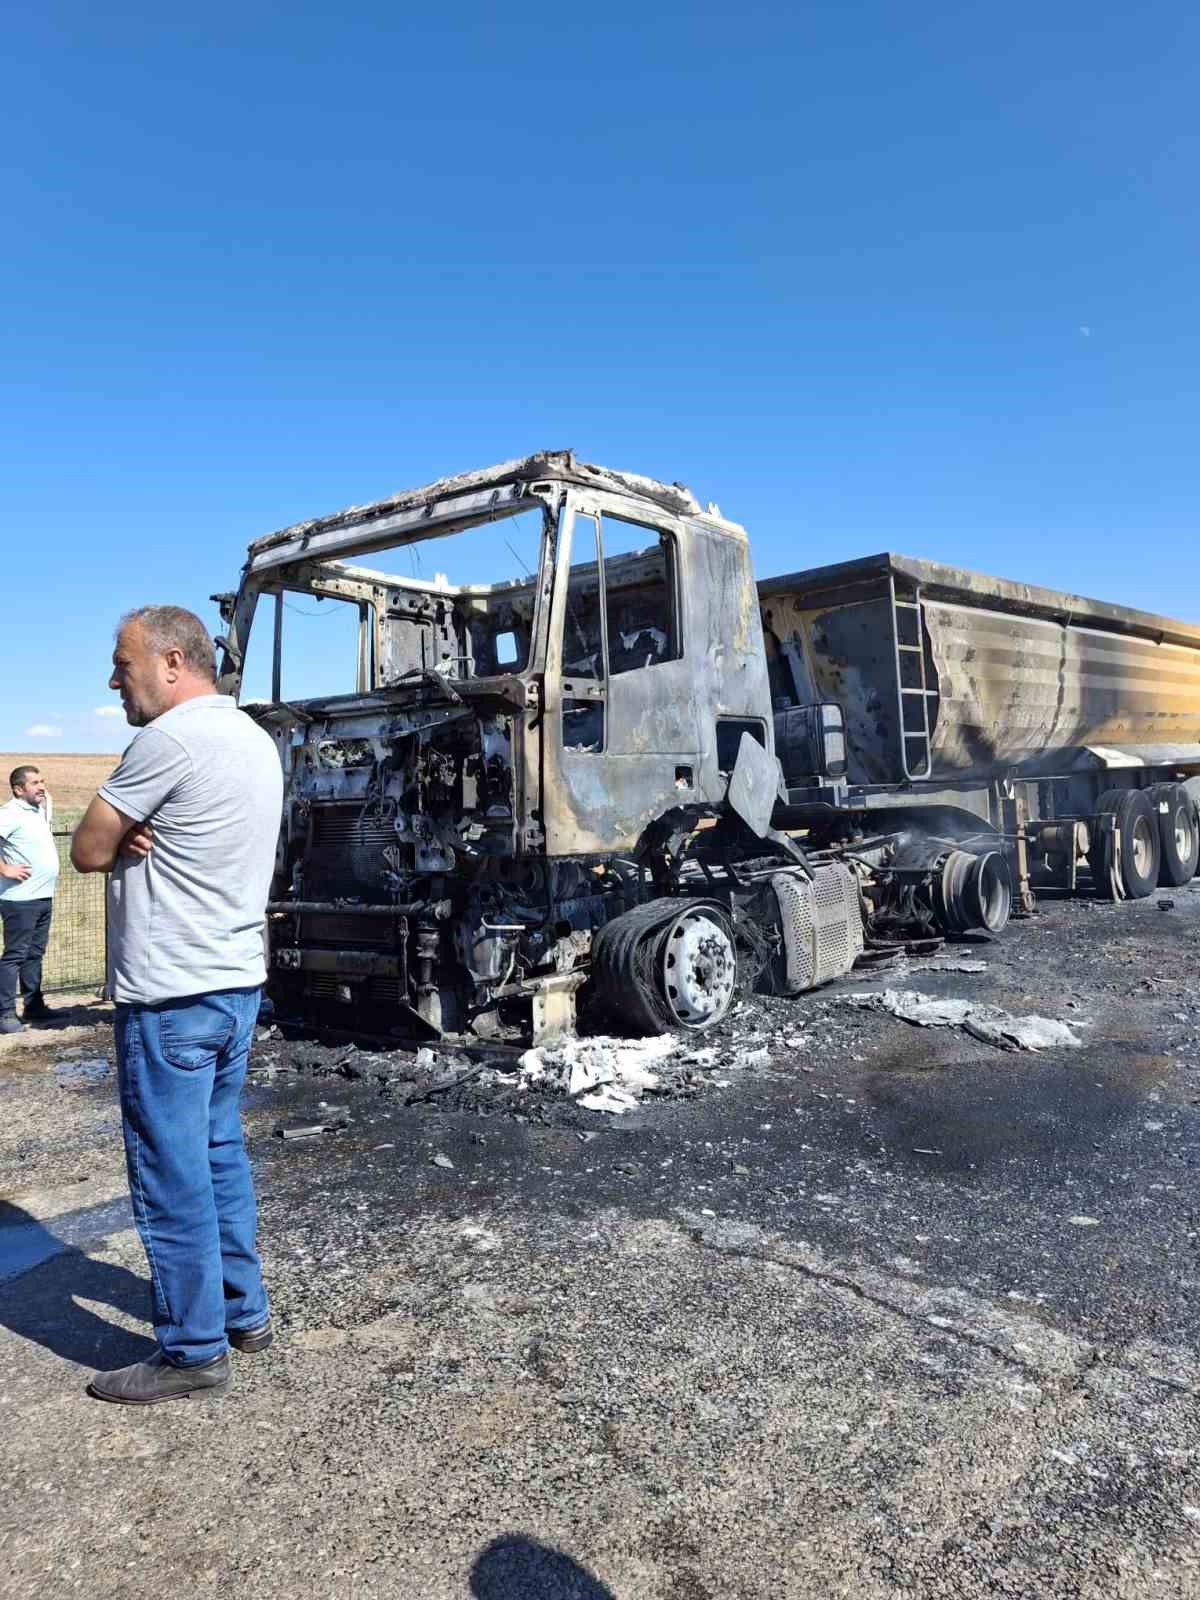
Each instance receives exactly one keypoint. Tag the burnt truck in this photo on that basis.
(594, 757)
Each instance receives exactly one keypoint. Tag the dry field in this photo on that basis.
(75, 957)
(71, 779)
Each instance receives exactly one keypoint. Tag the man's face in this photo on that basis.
(33, 789)
(140, 675)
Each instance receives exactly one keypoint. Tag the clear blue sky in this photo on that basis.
(870, 275)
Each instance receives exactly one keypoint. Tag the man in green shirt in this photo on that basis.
(28, 875)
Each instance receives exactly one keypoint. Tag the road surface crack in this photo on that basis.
(919, 1319)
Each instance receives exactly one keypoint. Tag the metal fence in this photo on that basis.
(75, 954)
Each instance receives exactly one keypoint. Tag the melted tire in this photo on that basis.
(627, 965)
(619, 967)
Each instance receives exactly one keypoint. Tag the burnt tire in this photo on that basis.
(1140, 847)
(1178, 834)
(669, 964)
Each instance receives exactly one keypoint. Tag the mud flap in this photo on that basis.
(1110, 857)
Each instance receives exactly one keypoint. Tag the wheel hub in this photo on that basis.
(1143, 845)
(699, 969)
(1183, 835)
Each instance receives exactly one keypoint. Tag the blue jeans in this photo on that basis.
(180, 1068)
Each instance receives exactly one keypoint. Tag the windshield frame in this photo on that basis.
(277, 571)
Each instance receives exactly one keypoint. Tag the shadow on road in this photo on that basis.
(71, 1013)
(517, 1568)
(49, 1277)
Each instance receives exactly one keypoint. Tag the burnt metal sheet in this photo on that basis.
(661, 751)
(1022, 691)
(754, 786)
(1137, 755)
(413, 514)
(1026, 679)
(837, 584)
(845, 655)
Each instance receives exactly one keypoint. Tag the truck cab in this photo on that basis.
(513, 736)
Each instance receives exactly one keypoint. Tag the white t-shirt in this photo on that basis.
(188, 918)
(26, 841)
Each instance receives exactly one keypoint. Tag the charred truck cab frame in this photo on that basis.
(569, 780)
(456, 829)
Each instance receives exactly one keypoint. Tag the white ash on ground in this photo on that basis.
(989, 1024)
(568, 1082)
(600, 1073)
(902, 966)
(584, 1080)
(607, 1075)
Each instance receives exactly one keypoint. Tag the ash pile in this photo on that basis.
(577, 1081)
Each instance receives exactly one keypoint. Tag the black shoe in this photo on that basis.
(35, 1009)
(251, 1340)
(148, 1382)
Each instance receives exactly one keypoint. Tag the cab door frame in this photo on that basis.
(600, 801)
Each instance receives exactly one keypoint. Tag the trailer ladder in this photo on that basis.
(913, 693)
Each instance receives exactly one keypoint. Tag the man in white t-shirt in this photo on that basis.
(28, 875)
(186, 826)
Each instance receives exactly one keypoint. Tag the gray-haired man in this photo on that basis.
(187, 824)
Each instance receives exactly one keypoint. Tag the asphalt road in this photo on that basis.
(895, 1312)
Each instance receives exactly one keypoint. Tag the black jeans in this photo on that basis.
(26, 930)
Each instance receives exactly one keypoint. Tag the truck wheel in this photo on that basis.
(1178, 834)
(973, 893)
(699, 967)
(1138, 823)
(666, 964)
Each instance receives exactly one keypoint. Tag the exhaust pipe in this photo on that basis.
(972, 893)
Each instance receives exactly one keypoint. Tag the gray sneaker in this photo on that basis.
(11, 1024)
(148, 1382)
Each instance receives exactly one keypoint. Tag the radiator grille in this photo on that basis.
(349, 932)
(345, 856)
(369, 993)
(345, 827)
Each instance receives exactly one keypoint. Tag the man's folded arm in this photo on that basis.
(146, 775)
(97, 839)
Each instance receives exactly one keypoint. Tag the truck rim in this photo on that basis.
(1143, 846)
(1184, 833)
(699, 969)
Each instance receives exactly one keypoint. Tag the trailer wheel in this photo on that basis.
(1140, 851)
(1178, 834)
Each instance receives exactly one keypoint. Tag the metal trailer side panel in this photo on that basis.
(1021, 692)
(1023, 680)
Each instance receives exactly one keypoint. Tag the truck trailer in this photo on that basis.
(595, 758)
